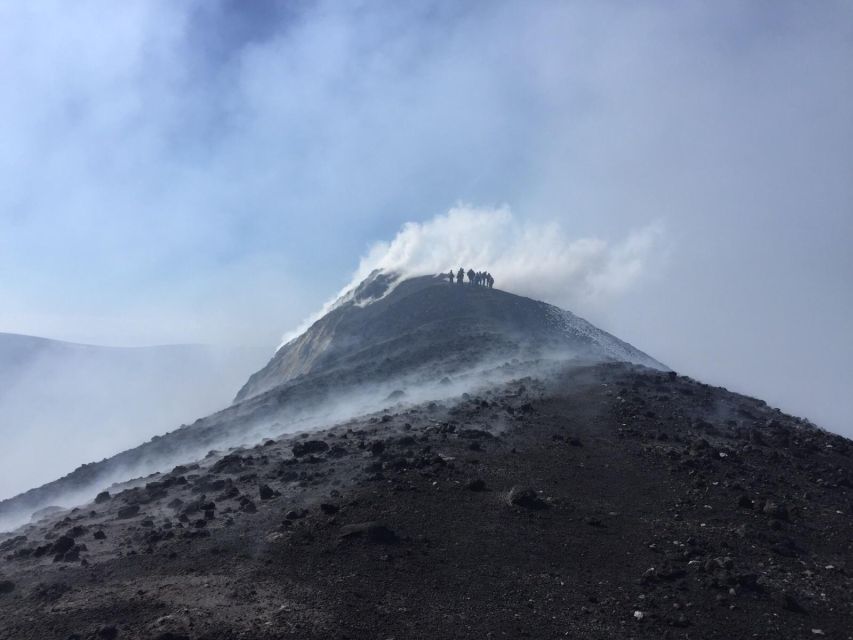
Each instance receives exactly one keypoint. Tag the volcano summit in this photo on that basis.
(387, 335)
(435, 460)
(427, 322)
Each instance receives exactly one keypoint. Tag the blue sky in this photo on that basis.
(214, 171)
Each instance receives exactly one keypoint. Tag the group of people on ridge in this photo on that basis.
(483, 278)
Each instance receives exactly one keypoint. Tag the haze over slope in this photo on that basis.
(421, 337)
(63, 404)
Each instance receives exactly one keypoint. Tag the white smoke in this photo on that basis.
(535, 259)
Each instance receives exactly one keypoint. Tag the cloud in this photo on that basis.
(541, 260)
(210, 169)
(63, 405)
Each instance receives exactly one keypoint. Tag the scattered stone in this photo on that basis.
(744, 502)
(11, 543)
(103, 496)
(108, 632)
(229, 493)
(309, 446)
(337, 451)
(329, 509)
(525, 497)
(775, 510)
(790, 603)
(99, 535)
(76, 531)
(62, 544)
(232, 463)
(370, 531)
(128, 511)
(267, 493)
(478, 484)
(72, 555)
(6, 586)
(786, 548)
(474, 434)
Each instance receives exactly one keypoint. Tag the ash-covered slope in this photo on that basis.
(389, 335)
(416, 321)
(585, 501)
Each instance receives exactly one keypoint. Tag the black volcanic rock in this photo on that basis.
(128, 511)
(525, 497)
(62, 544)
(649, 532)
(309, 446)
(375, 532)
(478, 484)
(265, 492)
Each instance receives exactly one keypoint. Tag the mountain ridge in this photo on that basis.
(387, 333)
(433, 304)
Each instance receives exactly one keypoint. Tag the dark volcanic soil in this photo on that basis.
(612, 501)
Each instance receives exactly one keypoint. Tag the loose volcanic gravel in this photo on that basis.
(601, 501)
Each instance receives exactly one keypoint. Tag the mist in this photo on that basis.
(63, 405)
(214, 171)
(232, 428)
(536, 259)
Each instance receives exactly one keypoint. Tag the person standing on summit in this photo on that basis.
(471, 275)
(450, 275)
(460, 276)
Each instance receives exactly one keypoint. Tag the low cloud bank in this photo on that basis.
(63, 405)
(535, 259)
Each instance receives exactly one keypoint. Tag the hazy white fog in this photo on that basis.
(63, 405)
(213, 171)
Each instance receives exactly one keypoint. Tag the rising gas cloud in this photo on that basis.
(535, 259)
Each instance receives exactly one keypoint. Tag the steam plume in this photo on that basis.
(540, 260)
